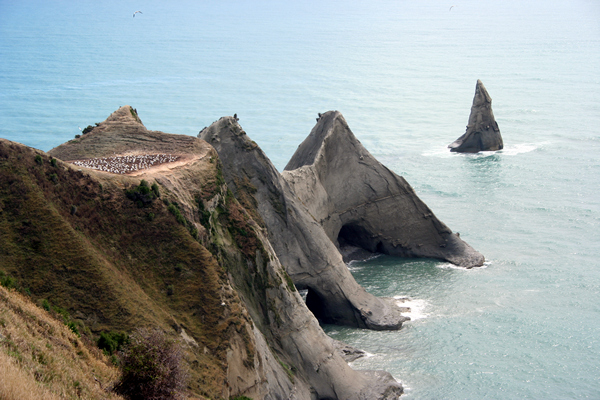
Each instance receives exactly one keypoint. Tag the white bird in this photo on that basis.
(136, 13)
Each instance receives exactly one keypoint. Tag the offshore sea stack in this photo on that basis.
(482, 132)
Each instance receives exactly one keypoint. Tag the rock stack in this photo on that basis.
(482, 132)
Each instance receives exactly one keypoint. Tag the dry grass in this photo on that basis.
(40, 358)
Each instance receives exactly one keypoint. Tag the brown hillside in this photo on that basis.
(70, 235)
(40, 358)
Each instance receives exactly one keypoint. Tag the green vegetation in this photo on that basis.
(174, 209)
(38, 159)
(110, 342)
(143, 195)
(7, 281)
(289, 281)
(87, 129)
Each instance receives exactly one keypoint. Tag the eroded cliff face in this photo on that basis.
(360, 202)
(483, 133)
(309, 256)
(195, 262)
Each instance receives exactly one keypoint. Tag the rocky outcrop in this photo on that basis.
(360, 202)
(482, 132)
(309, 256)
(273, 346)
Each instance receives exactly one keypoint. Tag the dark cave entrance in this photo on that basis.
(316, 304)
(357, 236)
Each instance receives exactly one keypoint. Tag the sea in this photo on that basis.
(526, 325)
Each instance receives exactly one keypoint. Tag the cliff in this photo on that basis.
(360, 202)
(185, 256)
(333, 193)
(483, 133)
(310, 258)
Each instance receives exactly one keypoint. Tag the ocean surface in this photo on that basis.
(403, 73)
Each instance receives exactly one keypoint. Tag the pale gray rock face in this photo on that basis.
(292, 332)
(482, 132)
(300, 242)
(361, 203)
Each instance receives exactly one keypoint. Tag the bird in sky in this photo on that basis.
(451, 8)
(136, 13)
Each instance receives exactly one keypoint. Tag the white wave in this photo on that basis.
(508, 150)
(513, 150)
(417, 307)
(452, 266)
(441, 152)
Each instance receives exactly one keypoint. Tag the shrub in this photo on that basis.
(175, 211)
(7, 281)
(53, 162)
(110, 342)
(155, 189)
(87, 129)
(73, 327)
(38, 159)
(142, 194)
(152, 367)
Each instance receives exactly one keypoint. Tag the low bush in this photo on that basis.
(109, 342)
(7, 281)
(152, 367)
(143, 195)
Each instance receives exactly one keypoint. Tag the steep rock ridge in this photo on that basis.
(269, 344)
(309, 256)
(482, 132)
(360, 202)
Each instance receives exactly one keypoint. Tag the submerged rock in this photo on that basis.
(482, 132)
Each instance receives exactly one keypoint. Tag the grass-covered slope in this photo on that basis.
(75, 239)
(41, 358)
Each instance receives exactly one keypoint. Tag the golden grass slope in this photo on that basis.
(41, 358)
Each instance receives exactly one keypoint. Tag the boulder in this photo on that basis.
(482, 132)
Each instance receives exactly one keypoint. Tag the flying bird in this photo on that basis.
(136, 13)
(451, 8)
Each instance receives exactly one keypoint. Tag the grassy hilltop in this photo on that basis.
(75, 241)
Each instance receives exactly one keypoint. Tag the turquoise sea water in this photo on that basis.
(403, 74)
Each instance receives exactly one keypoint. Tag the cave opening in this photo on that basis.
(316, 304)
(355, 235)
